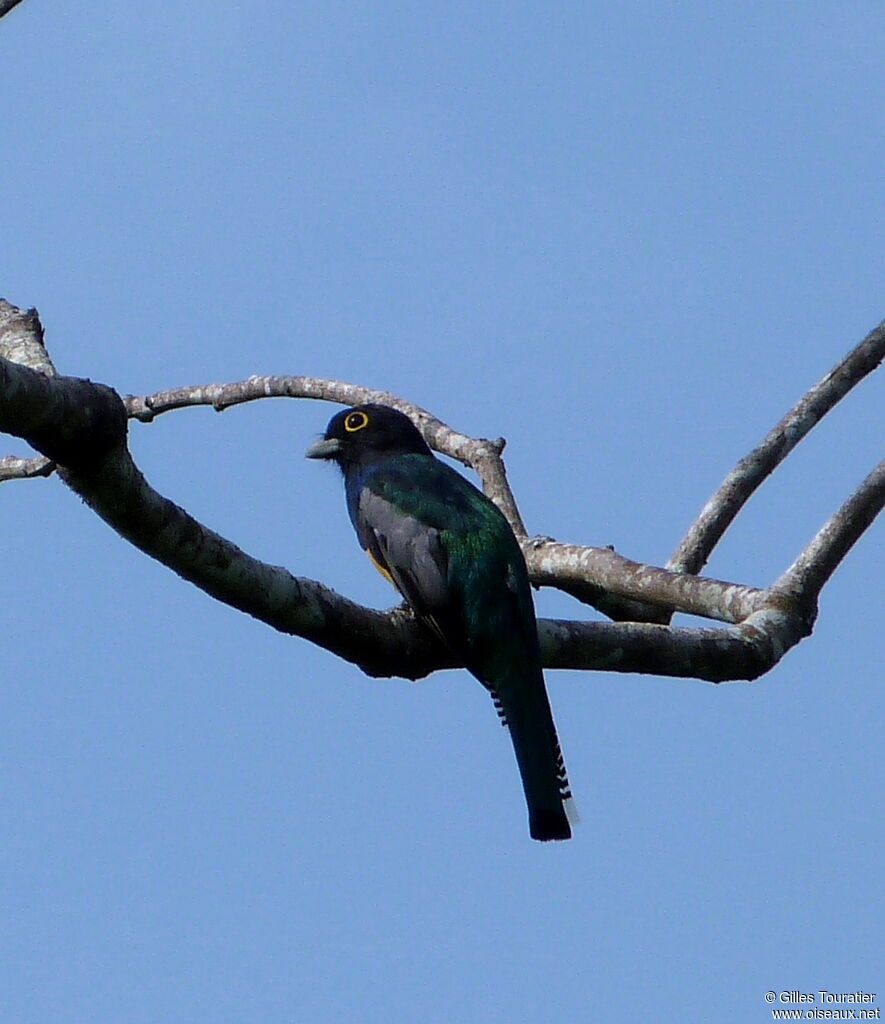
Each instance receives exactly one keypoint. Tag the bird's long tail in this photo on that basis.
(525, 709)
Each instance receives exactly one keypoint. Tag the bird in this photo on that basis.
(452, 555)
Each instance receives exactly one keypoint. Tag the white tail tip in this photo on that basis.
(571, 811)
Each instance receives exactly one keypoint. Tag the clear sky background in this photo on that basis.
(626, 237)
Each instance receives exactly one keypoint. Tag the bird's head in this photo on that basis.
(367, 431)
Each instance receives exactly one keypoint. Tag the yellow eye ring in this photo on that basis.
(355, 421)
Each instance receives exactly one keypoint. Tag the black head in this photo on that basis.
(365, 431)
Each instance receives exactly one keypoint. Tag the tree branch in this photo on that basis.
(745, 652)
(553, 564)
(593, 576)
(805, 578)
(82, 427)
(87, 438)
(14, 468)
(720, 511)
(21, 338)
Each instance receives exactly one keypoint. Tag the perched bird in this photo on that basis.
(452, 555)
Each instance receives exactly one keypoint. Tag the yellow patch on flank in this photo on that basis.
(381, 568)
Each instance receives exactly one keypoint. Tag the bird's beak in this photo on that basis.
(325, 448)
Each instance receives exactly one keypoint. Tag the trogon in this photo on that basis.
(452, 555)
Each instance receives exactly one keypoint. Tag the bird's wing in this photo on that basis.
(413, 557)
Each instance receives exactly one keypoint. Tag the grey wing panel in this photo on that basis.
(412, 552)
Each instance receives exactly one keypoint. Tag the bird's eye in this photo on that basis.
(355, 421)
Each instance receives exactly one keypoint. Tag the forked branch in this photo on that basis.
(81, 428)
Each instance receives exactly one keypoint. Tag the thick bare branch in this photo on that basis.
(554, 564)
(720, 511)
(69, 420)
(746, 651)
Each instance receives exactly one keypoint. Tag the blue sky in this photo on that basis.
(627, 238)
